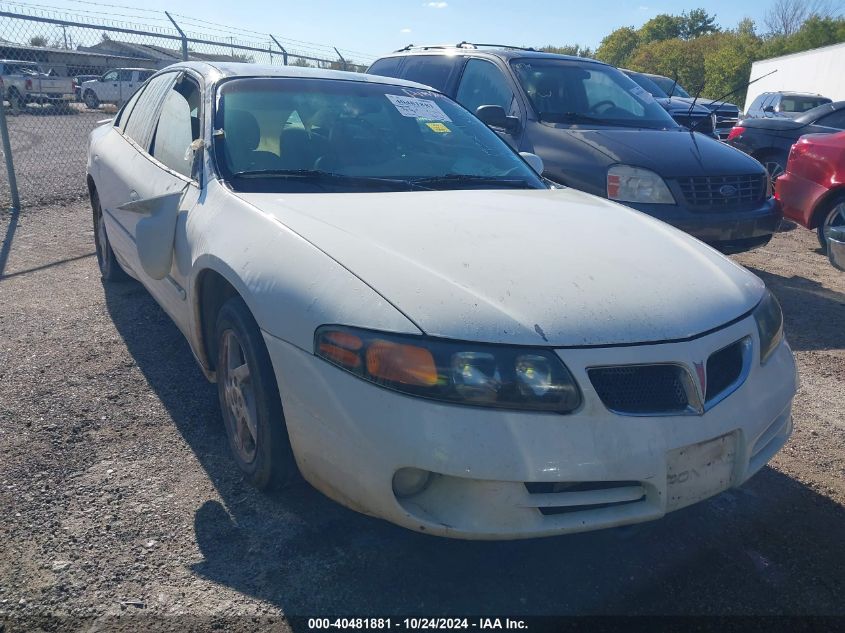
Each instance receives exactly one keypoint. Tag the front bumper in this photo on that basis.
(350, 437)
(730, 230)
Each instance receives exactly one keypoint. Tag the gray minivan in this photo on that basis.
(598, 131)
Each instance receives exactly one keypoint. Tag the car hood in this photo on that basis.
(676, 106)
(532, 267)
(670, 153)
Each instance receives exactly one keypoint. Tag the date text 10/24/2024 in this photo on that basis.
(418, 623)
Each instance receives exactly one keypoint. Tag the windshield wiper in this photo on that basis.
(320, 175)
(471, 179)
(575, 117)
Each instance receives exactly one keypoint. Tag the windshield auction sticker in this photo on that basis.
(642, 94)
(418, 108)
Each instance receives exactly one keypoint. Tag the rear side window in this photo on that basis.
(484, 84)
(431, 70)
(144, 115)
(387, 67)
(123, 116)
(178, 127)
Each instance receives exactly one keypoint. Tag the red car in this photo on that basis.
(812, 189)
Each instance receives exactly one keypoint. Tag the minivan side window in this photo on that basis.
(387, 67)
(178, 126)
(484, 84)
(144, 115)
(431, 70)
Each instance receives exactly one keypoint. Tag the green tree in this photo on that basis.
(676, 58)
(38, 40)
(697, 23)
(575, 50)
(303, 63)
(662, 27)
(618, 47)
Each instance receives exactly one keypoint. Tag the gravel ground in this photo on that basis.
(122, 505)
(49, 151)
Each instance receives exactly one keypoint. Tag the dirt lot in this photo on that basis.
(120, 501)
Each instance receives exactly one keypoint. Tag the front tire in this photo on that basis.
(834, 216)
(91, 100)
(250, 401)
(110, 269)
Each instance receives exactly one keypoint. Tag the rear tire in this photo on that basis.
(775, 164)
(834, 215)
(110, 269)
(91, 100)
(250, 401)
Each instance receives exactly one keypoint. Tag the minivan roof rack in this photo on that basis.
(470, 45)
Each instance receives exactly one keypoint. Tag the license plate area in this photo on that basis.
(698, 471)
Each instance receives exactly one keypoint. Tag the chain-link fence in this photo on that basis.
(62, 74)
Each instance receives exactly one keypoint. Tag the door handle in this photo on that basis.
(133, 195)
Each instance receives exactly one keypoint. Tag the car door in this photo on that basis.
(109, 89)
(484, 83)
(127, 84)
(167, 171)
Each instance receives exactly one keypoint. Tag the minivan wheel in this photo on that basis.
(91, 100)
(250, 401)
(110, 269)
(835, 216)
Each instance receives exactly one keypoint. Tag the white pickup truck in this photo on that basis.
(26, 82)
(116, 86)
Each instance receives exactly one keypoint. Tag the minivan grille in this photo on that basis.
(641, 389)
(721, 192)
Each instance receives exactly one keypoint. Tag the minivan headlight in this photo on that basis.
(499, 376)
(769, 318)
(626, 183)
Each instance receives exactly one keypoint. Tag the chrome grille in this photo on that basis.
(722, 192)
(641, 389)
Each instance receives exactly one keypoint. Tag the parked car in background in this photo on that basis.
(727, 114)
(26, 82)
(812, 189)
(686, 112)
(598, 131)
(770, 139)
(784, 104)
(78, 80)
(115, 86)
(390, 299)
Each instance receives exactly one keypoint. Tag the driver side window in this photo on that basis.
(110, 76)
(484, 84)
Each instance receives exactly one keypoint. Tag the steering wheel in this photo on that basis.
(596, 106)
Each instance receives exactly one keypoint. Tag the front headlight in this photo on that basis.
(769, 318)
(635, 184)
(500, 376)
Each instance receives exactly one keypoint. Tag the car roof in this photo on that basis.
(505, 54)
(217, 71)
(792, 93)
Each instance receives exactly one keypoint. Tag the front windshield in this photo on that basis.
(563, 91)
(304, 134)
(644, 82)
(670, 87)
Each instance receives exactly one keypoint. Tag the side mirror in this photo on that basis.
(494, 116)
(535, 161)
(769, 109)
(836, 246)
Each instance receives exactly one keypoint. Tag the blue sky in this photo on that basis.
(377, 26)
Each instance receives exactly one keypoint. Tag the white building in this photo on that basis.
(820, 71)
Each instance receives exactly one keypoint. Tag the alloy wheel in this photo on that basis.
(240, 412)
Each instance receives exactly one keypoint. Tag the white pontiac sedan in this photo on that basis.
(392, 302)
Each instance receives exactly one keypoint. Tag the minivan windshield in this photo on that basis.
(325, 135)
(563, 91)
